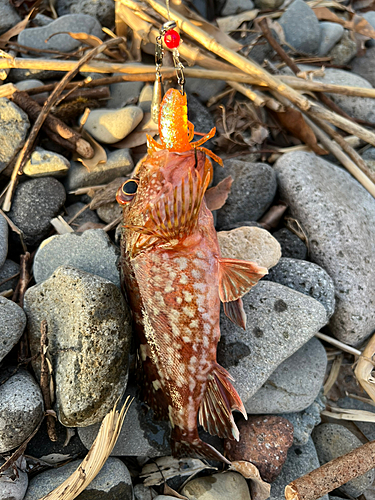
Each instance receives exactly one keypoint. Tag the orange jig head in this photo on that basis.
(175, 131)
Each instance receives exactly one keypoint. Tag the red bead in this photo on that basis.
(172, 39)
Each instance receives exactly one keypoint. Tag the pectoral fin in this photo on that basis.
(236, 277)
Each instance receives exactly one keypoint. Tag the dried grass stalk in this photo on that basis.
(333, 374)
(95, 458)
(349, 414)
(363, 370)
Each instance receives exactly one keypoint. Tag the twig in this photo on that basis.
(343, 158)
(23, 345)
(333, 474)
(276, 46)
(83, 93)
(45, 375)
(26, 150)
(272, 218)
(349, 150)
(337, 343)
(364, 368)
(15, 229)
(80, 212)
(19, 451)
(33, 109)
(8, 279)
(333, 374)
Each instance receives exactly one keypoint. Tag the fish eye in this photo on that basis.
(130, 187)
(127, 191)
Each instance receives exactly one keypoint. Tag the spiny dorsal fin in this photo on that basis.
(220, 398)
(176, 212)
(236, 277)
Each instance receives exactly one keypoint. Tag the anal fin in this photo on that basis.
(235, 312)
(237, 277)
(220, 398)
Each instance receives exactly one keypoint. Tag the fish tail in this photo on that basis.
(190, 445)
(220, 398)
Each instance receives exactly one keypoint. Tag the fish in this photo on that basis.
(175, 278)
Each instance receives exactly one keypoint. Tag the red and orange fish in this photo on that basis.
(175, 278)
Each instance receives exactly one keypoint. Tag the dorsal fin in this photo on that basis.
(236, 277)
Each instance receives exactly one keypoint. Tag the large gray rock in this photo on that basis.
(123, 94)
(8, 269)
(301, 27)
(89, 331)
(92, 251)
(290, 389)
(3, 240)
(21, 409)
(13, 130)
(119, 163)
(139, 436)
(305, 277)
(12, 325)
(338, 215)
(253, 189)
(301, 460)
(35, 203)
(75, 23)
(279, 322)
(332, 441)
(112, 483)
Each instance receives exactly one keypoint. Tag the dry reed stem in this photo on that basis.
(333, 374)
(364, 368)
(344, 347)
(95, 458)
(258, 98)
(142, 72)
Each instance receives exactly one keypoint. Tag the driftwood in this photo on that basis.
(53, 124)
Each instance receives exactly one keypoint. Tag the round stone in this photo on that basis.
(21, 409)
(112, 125)
(14, 126)
(12, 325)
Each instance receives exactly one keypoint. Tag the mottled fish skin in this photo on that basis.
(174, 279)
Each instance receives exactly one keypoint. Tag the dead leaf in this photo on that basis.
(100, 156)
(107, 194)
(294, 122)
(16, 30)
(259, 134)
(260, 490)
(172, 493)
(217, 196)
(324, 14)
(231, 23)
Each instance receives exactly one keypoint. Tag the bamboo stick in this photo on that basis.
(138, 72)
(229, 55)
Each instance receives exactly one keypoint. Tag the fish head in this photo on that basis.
(162, 202)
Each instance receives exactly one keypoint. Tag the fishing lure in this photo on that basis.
(175, 278)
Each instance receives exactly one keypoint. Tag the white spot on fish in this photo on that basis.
(196, 274)
(168, 289)
(178, 300)
(184, 280)
(182, 262)
(187, 295)
(190, 312)
(156, 384)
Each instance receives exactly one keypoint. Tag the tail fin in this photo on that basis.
(220, 398)
(193, 446)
